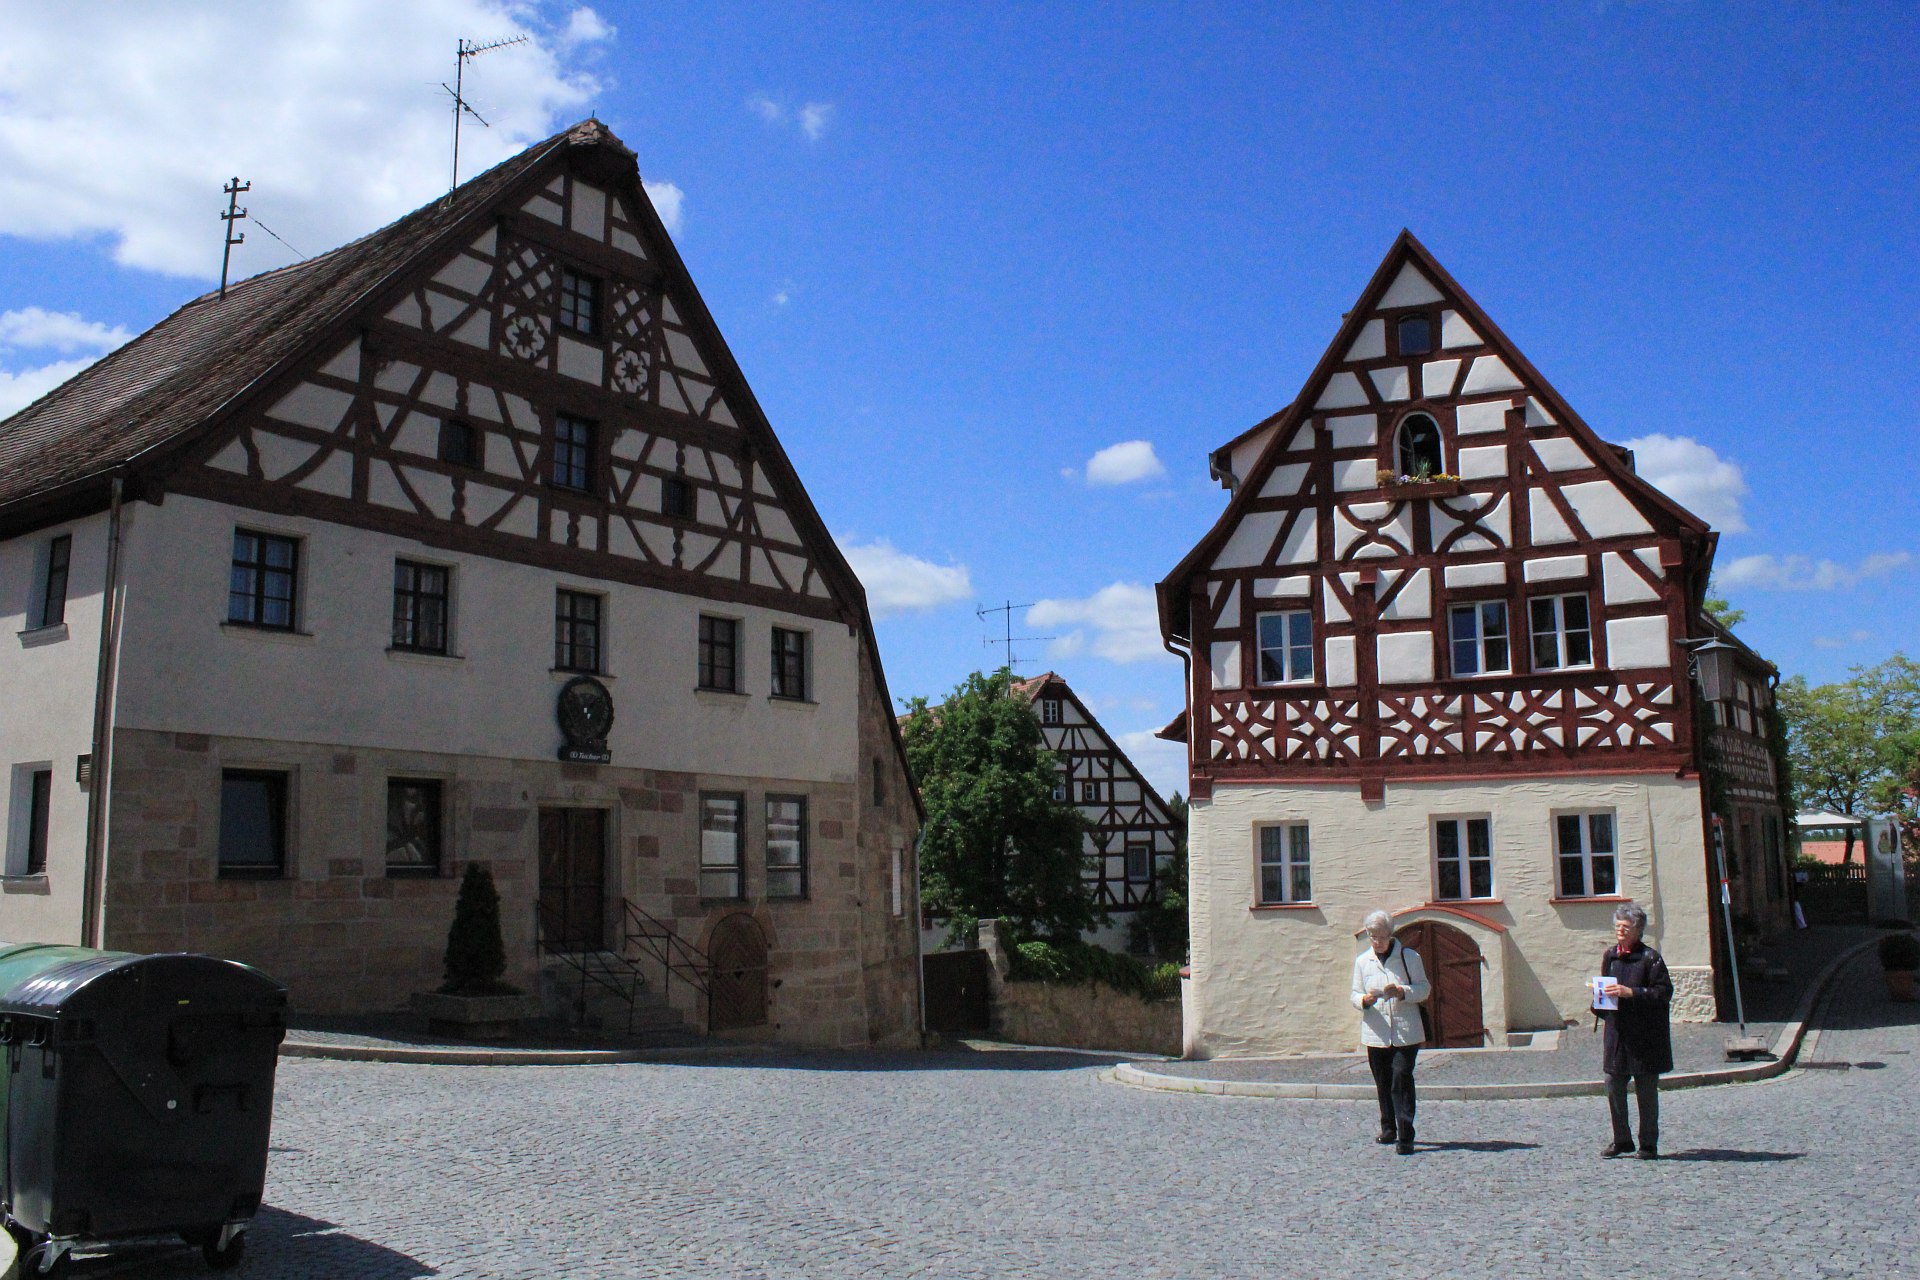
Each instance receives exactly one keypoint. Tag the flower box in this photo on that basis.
(1421, 489)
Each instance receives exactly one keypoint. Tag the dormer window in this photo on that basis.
(1417, 448)
(1416, 335)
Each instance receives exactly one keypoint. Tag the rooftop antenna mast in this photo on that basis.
(467, 50)
(233, 214)
(1007, 638)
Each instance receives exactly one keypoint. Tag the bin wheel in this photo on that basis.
(224, 1259)
(36, 1259)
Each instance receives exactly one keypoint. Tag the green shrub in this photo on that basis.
(476, 957)
(1899, 951)
(1082, 962)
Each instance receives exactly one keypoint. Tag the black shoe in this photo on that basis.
(1648, 1153)
(1404, 1147)
(1613, 1149)
(1386, 1137)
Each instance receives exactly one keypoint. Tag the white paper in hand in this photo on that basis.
(1600, 1000)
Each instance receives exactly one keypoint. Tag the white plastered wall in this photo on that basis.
(337, 683)
(47, 679)
(1275, 981)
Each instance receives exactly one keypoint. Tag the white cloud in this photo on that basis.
(814, 117)
(766, 108)
(331, 108)
(1164, 763)
(1123, 618)
(1124, 463)
(668, 200)
(1803, 573)
(900, 583)
(1695, 477)
(1841, 642)
(63, 331)
(18, 390)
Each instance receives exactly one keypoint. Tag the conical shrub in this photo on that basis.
(476, 957)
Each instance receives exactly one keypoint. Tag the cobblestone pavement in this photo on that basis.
(1029, 1165)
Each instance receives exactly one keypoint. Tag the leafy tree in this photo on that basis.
(1847, 742)
(1161, 926)
(1722, 612)
(995, 843)
(476, 957)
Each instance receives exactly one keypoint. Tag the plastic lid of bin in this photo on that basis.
(80, 985)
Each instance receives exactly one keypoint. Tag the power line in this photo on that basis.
(277, 236)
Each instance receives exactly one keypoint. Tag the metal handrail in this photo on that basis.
(624, 983)
(674, 954)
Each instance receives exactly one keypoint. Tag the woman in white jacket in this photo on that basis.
(1389, 984)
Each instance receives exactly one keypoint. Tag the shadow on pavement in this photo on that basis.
(1491, 1146)
(278, 1243)
(1721, 1155)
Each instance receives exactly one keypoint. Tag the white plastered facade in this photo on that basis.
(1270, 981)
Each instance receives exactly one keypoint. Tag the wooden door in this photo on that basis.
(738, 992)
(573, 879)
(1453, 970)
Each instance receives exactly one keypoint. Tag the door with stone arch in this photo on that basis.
(737, 995)
(1453, 964)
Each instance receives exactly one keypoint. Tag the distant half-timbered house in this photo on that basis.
(1438, 653)
(465, 542)
(1130, 835)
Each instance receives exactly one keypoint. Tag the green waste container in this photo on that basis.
(138, 1098)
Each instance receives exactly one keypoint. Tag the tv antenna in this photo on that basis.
(467, 50)
(1007, 638)
(233, 214)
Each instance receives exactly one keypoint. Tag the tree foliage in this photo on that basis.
(476, 957)
(995, 844)
(1851, 743)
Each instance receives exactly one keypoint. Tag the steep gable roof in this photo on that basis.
(1384, 289)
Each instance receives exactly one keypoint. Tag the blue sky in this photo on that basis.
(960, 253)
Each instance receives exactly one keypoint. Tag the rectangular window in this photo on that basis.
(1584, 843)
(1286, 870)
(1562, 633)
(676, 497)
(1139, 863)
(53, 592)
(719, 654)
(572, 453)
(460, 443)
(39, 813)
(1286, 647)
(253, 823)
(1479, 634)
(261, 591)
(413, 827)
(720, 846)
(1090, 793)
(879, 783)
(576, 631)
(786, 846)
(419, 607)
(579, 302)
(1049, 711)
(789, 664)
(1463, 853)
(899, 885)
(1060, 787)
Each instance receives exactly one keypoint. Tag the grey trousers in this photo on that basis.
(1646, 1090)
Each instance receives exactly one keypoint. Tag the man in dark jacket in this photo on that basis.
(1638, 1041)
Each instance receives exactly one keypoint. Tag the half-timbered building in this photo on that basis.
(1438, 654)
(1130, 835)
(465, 542)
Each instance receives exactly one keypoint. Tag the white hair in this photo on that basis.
(1377, 922)
(1632, 914)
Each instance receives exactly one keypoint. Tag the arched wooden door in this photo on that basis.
(1453, 970)
(738, 991)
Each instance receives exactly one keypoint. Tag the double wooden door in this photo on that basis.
(573, 879)
(1453, 968)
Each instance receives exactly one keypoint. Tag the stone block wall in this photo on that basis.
(1074, 1015)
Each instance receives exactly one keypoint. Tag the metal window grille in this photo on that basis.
(262, 586)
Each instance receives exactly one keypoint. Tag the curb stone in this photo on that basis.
(1786, 1047)
(440, 1056)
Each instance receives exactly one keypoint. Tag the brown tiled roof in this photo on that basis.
(183, 371)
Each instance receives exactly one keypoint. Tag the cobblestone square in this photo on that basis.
(1025, 1164)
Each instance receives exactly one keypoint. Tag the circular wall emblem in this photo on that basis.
(525, 338)
(586, 714)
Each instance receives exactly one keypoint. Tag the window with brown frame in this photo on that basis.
(579, 303)
(789, 664)
(676, 497)
(719, 654)
(420, 607)
(1415, 334)
(573, 444)
(263, 586)
(576, 631)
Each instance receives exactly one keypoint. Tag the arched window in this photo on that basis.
(1417, 450)
(1416, 335)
